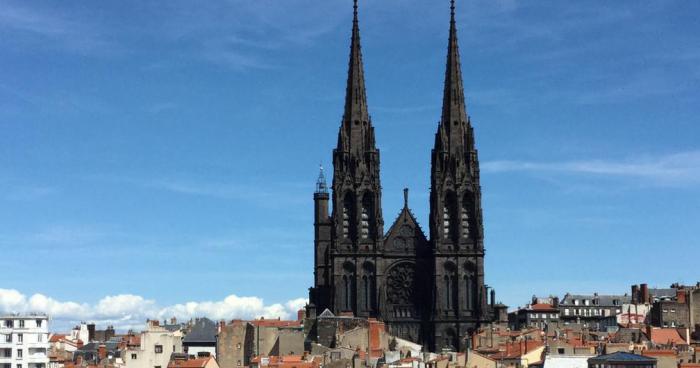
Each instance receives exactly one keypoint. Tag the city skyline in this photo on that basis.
(120, 173)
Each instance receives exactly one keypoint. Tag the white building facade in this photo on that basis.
(24, 341)
(157, 344)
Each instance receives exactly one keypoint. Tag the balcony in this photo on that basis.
(37, 358)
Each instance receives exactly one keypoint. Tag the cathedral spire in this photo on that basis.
(453, 107)
(355, 97)
(357, 134)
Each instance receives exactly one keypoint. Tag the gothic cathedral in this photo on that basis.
(429, 291)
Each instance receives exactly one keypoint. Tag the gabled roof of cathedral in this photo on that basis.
(406, 217)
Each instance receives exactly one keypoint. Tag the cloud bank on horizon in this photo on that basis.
(128, 311)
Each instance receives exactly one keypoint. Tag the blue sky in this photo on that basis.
(158, 154)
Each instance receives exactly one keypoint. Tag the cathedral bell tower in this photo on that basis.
(456, 229)
(356, 220)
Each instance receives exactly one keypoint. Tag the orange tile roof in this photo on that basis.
(56, 338)
(274, 323)
(653, 353)
(663, 336)
(189, 363)
(517, 349)
(543, 308)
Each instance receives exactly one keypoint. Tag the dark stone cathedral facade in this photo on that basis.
(428, 290)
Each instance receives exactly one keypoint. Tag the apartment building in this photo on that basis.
(24, 341)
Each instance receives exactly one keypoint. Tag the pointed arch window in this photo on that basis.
(368, 286)
(451, 286)
(450, 221)
(349, 283)
(464, 218)
(365, 223)
(367, 217)
(470, 294)
(347, 292)
(446, 222)
(448, 292)
(348, 216)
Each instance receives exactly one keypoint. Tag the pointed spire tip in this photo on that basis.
(354, 7)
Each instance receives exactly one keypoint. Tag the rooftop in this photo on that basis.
(621, 357)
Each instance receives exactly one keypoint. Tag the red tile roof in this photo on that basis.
(274, 323)
(543, 308)
(655, 353)
(189, 363)
(663, 336)
(56, 338)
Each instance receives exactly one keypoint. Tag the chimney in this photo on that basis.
(173, 321)
(635, 294)
(644, 289)
(222, 324)
(300, 315)
(680, 296)
(91, 332)
(493, 297)
(102, 352)
(555, 302)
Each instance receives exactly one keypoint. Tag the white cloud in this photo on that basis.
(127, 311)
(675, 169)
(12, 300)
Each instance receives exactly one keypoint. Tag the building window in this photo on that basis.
(134, 356)
(19, 353)
(38, 323)
(364, 224)
(20, 338)
(238, 346)
(39, 337)
(464, 219)
(446, 222)
(19, 366)
(8, 338)
(21, 323)
(159, 349)
(9, 323)
(238, 363)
